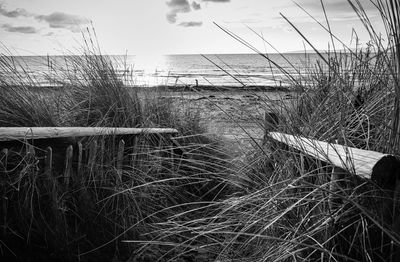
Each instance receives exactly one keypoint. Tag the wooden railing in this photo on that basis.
(382, 169)
(72, 148)
(356, 161)
(23, 133)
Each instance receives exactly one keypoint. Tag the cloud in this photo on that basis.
(217, 1)
(171, 17)
(177, 6)
(50, 34)
(54, 20)
(20, 29)
(196, 6)
(63, 20)
(14, 13)
(191, 24)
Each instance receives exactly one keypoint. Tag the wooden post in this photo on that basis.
(120, 159)
(334, 187)
(52, 180)
(102, 153)
(68, 165)
(92, 155)
(386, 175)
(49, 162)
(302, 165)
(4, 152)
(4, 208)
(30, 150)
(171, 145)
(271, 121)
(80, 155)
(160, 152)
(135, 149)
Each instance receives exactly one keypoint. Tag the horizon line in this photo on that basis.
(178, 54)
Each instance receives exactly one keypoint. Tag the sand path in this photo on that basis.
(235, 116)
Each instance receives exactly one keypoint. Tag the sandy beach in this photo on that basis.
(235, 115)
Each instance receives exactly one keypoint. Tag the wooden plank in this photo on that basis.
(357, 161)
(22, 133)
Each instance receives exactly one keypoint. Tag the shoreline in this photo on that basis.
(222, 88)
(186, 88)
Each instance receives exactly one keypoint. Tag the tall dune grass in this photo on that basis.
(43, 219)
(284, 207)
(288, 208)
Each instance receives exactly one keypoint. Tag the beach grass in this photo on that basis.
(279, 205)
(288, 208)
(45, 218)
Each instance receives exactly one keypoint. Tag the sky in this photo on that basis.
(154, 27)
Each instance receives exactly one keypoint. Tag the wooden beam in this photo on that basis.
(356, 161)
(22, 133)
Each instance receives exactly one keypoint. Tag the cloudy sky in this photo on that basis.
(153, 27)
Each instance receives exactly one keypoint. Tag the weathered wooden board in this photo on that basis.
(357, 161)
(22, 133)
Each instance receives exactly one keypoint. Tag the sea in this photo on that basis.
(234, 70)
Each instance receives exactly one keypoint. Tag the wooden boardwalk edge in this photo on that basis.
(358, 161)
(23, 133)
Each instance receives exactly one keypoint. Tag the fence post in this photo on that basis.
(334, 186)
(386, 174)
(49, 162)
(30, 150)
(80, 153)
(68, 164)
(52, 180)
(134, 150)
(5, 153)
(271, 121)
(172, 157)
(4, 209)
(120, 159)
(92, 155)
(101, 165)
(160, 151)
(4, 199)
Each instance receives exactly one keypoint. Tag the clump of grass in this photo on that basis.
(100, 97)
(45, 218)
(21, 104)
(290, 209)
